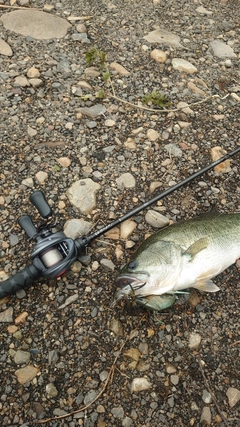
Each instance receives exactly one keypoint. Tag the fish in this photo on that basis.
(181, 256)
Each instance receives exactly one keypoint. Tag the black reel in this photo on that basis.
(54, 252)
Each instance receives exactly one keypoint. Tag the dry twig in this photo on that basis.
(211, 392)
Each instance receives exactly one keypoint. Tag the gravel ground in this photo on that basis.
(64, 348)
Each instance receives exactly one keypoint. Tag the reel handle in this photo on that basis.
(37, 198)
(27, 225)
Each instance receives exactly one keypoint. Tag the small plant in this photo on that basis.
(95, 55)
(56, 168)
(157, 99)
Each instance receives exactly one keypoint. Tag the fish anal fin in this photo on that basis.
(196, 247)
(205, 284)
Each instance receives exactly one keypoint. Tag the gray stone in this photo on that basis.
(107, 264)
(74, 228)
(14, 240)
(126, 180)
(233, 395)
(5, 49)
(118, 412)
(34, 23)
(22, 357)
(163, 37)
(82, 195)
(206, 397)
(51, 390)
(206, 416)
(183, 65)
(173, 150)
(94, 111)
(222, 50)
(6, 316)
(155, 219)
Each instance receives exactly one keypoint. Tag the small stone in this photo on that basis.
(33, 73)
(75, 228)
(118, 412)
(51, 390)
(196, 89)
(41, 177)
(5, 49)
(183, 106)
(194, 340)
(174, 379)
(69, 301)
(119, 68)
(173, 150)
(107, 264)
(126, 180)
(81, 28)
(139, 384)
(155, 219)
(206, 416)
(31, 132)
(64, 162)
(14, 240)
(216, 153)
(116, 326)
(159, 55)
(183, 65)
(6, 316)
(171, 369)
(163, 37)
(127, 228)
(26, 374)
(233, 395)
(152, 135)
(222, 50)
(154, 185)
(110, 123)
(22, 357)
(203, 10)
(28, 182)
(206, 397)
(130, 144)
(21, 81)
(21, 318)
(35, 82)
(133, 353)
(94, 111)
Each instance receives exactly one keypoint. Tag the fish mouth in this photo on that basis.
(127, 284)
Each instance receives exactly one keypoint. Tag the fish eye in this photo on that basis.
(132, 265)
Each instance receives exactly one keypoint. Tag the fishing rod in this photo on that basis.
(54, 253)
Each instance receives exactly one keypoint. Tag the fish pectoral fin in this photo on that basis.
(156, 302)
(196, 247)
(205, 284)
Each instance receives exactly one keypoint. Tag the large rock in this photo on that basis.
(36, 24)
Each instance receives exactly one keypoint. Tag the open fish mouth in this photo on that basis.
(127, 285)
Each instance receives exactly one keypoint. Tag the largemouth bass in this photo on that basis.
(181, 256)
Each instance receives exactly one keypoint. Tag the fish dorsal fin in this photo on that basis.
(196, 247)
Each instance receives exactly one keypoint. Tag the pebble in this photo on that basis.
(119, 68)
(206, 397)
(155, 219)
(82, 195)
(222, 50)
(159, 55)
(126, 229)
(173, 150)
(64, 162)
(26, 374)
(5, 49)
(33, 73)
(233, 395)
(183, 65)
(6, 316)
(118, 412)
(152, 135)
(194, 340)
(140, 384)
(163, 37)
(126, 180)
(22, 357)
(51, 390)
(94, 111)
(206, 417)
(69, 301)
(41, 177)
(75, 228)
(107, 264)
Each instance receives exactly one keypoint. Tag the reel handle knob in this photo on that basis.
(37, 198)
(27, 225)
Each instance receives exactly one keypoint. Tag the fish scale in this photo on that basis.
(184, 255)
